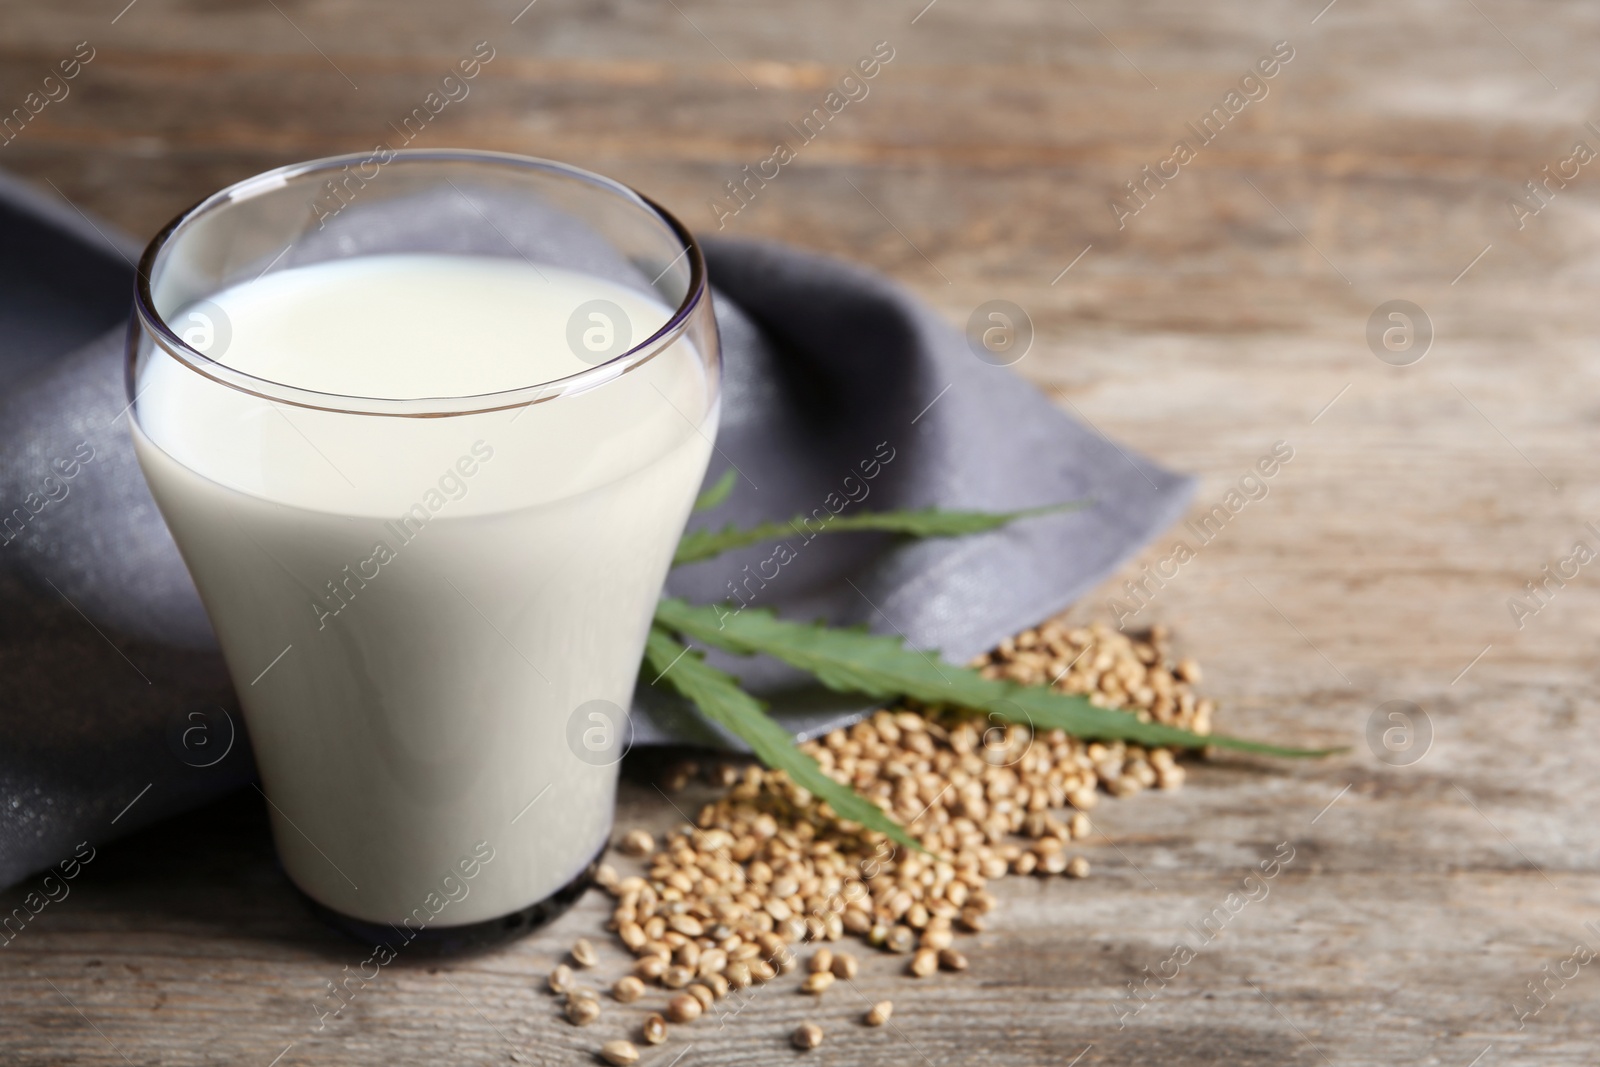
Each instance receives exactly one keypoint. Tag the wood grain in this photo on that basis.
(1227, 315)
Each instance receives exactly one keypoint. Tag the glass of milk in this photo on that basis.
(426, 427)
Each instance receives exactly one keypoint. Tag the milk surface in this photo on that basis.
(412, 609)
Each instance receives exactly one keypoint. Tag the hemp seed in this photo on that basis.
(628, 989)
(619, 1053)
(583, 953)
(808, 1036)
(817, 982)
(879, 1013)
(638, 843)
(581, 1010)
(654, 1028)
(687, 925)
(683, 1008)
(924, 963)
(677, 777)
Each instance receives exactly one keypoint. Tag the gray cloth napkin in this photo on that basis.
(843, 393)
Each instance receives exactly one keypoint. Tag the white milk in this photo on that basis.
(412, 608)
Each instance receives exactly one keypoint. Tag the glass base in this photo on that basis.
(468, 938)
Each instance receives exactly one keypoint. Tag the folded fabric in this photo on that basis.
(842, 394)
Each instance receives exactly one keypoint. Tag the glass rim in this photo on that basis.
(152, 322)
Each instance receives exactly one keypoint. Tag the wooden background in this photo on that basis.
(1226, 316)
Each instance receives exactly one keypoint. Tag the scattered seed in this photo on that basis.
(628, 989)
(619, 1053)
(821, 960)
(703, 994)
(678, 776)
(951, 960)
(638, 843)
(583, 953)
(808, 1036)
(677, 977)
(844, 965)
(817, 982)
(650, 968)
(654, 1029)
(924, 963)
(684, 1008)
(581, 1011)
(879, 1013)
(722, 774)
(1077, 867)
(1048, 845)
(560, 979)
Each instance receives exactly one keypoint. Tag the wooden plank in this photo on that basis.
(1226, 315)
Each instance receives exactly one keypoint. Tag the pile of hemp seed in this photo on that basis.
(722, 907)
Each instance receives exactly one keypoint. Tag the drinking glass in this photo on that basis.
(426, 427)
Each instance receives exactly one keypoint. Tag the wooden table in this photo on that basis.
(1229, 313)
